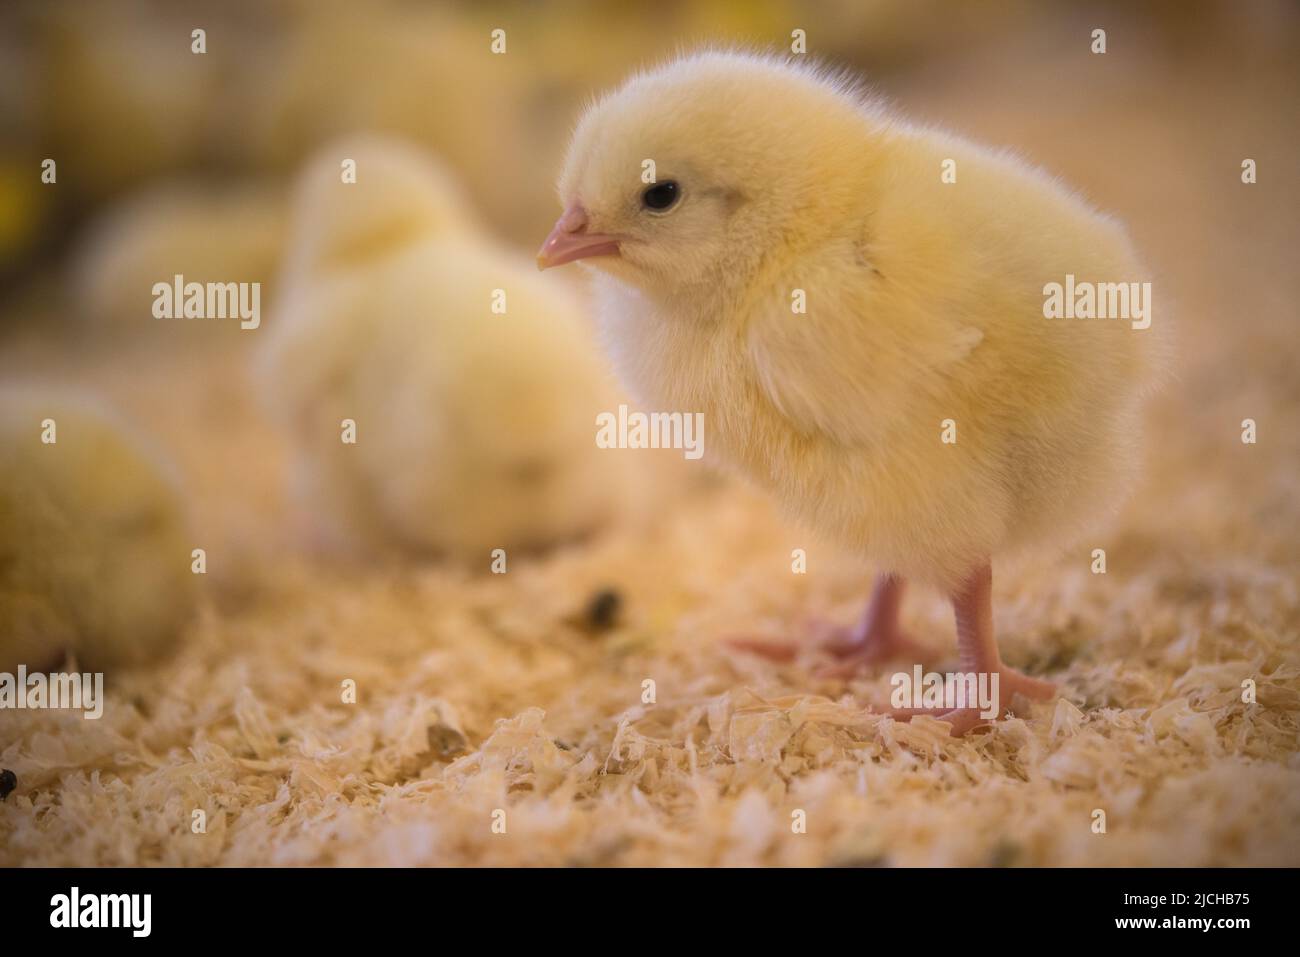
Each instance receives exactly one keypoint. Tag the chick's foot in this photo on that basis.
(855, 650)
(1010, 684)
(877, 638)
(851, 650)
(973, 609)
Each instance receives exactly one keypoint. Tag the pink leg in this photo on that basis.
(978, 648)
(876, 638)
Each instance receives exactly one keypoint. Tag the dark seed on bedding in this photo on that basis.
(603, 609)
(873, 860)
(1004, 853)
(8, 781)
(446, 742)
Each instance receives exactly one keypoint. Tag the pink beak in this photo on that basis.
(569, 240)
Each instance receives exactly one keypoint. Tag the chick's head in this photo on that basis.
(698, 169)
(363, 198)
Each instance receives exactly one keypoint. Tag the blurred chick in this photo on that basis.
(924, 304)
(94, 554)
(204, 233)
(120, 86)
(421, 72)
(474, 430)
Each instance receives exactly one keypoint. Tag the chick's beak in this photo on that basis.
(570, 241)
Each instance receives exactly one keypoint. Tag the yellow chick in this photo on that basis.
(441, 394)
(94, 554)
(858, 306)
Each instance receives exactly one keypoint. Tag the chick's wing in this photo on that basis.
(861, 354)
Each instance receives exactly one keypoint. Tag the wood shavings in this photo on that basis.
(474, 697)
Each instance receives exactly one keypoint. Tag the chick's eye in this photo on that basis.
(660, 196)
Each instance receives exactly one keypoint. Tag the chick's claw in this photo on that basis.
(1010, 684)
(851, 650)
(856, 650)
(877, 638)
(770, 648)
(1014, 683)
(962, 720)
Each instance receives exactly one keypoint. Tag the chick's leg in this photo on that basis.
(876, 638)
(978, 649)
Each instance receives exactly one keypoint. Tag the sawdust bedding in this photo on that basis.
(494, 725)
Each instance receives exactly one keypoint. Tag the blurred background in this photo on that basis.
(170, 161)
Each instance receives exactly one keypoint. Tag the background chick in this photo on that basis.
(474, 430)
(924, 304)
(223, 234)
(94, 554)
